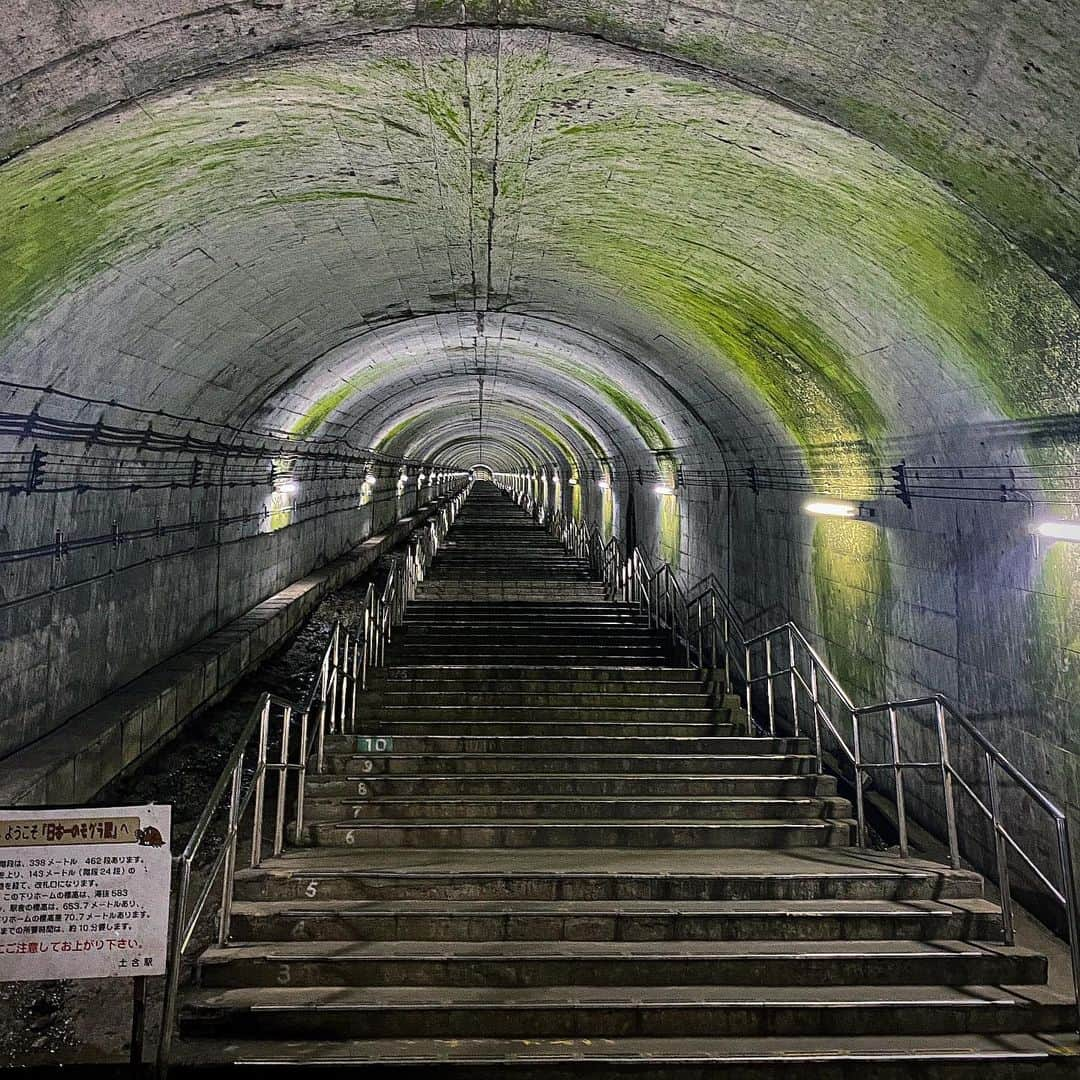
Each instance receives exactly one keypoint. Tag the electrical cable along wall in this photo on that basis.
(190, 523)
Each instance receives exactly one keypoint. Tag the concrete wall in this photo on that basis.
(70, 764)
(78, 627)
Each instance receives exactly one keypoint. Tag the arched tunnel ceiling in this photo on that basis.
(724, 259)
(383, 387)
(978, 94)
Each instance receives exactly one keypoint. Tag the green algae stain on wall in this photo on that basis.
(670, 530)
(313, 419)
(1053, 625)
(81, 203)
(853, 584)
(669, 514)
(632, 410)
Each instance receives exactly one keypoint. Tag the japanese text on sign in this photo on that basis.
(84, 894)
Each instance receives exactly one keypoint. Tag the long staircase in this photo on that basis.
(569, 858)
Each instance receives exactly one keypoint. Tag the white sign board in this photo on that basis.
(84, 894)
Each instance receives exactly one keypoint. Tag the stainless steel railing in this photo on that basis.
(780, 666)
(283, 739)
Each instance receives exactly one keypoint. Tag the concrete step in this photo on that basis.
(622, 920)
(551, 808)
(541, 714)
(573, 745)
(540, 691)
(569, 609)
(538, 633)
(533, 723)
(587, 874)
(466, 675)
(611, 1012)
(612, 656)
(510, 591)
(887, 1056)
(566, 784)
(603, 963)
(612, 833)
(631, 762)
(520, 616)
(545, 695)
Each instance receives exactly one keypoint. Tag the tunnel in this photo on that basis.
(782, 294)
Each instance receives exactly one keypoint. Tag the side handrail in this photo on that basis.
(704, 626)
(330, 706)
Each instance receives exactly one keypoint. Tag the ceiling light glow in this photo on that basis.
(825, 508)
(1060, 530)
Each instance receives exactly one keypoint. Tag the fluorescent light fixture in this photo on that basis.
(664, 489)
(287, 487)
(1060, 530)
(572, 481)
(371, 479)
(827, 508)
(604, 485)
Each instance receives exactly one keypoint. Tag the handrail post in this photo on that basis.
(283, 776)
(301, 776)
(749, 685)
(713, 631)
(700, 627)
(225, 919)
(355, 689)
(174, 961)
(320, 739)
(1004, 887)
(947, 787)
(260, 785)
(816, 707)
(346, 681)
(332, 679)
(365, 632)
(791, 680)
(1072, 917)
(769, 695)
(898, 781)
(860, 813)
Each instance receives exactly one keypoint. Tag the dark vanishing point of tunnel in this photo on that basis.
(751, 330)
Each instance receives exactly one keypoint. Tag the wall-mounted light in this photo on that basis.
(1059, 530)
(604, 485)
(287, 487)
(827, 508)
(371, 479)
(572, 481)
(664, 489)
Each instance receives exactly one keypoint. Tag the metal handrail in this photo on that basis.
(719, 639)
(330, 706)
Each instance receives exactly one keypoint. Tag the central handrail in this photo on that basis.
(297, 731)
(706, 630)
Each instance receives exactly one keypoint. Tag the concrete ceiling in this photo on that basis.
(861, 226)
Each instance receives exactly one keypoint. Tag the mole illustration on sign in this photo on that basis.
(150, 837)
